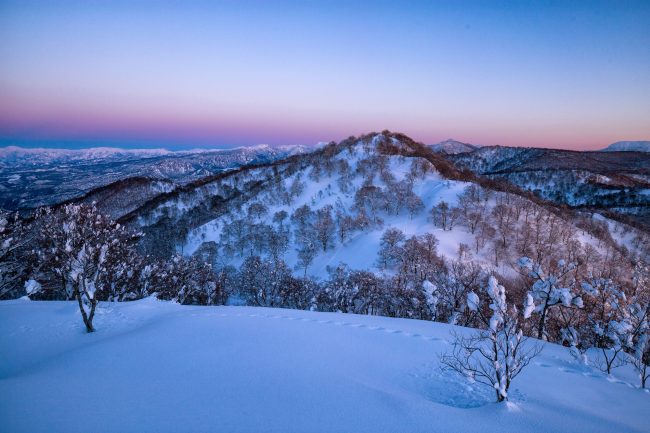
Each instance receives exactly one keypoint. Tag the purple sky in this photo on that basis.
(564, 74)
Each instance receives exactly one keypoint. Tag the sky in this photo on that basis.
(179, 74)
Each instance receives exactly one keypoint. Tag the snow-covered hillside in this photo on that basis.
(628, 146)
(608, 180)
(156, 366)
(356, 183)
(326, 189)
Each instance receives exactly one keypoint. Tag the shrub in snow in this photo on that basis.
(496, 355)
(32, 286)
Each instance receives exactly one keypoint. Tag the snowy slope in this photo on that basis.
(154, 366)
(628, 146)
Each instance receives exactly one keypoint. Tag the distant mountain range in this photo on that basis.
(35, 177)
(21, 156)
(453, 147)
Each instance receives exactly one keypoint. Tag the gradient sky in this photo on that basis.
(179, 74)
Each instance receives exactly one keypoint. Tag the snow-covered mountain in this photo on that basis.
(247, 369)
(452, 147)
(628, 146)
(12, 156)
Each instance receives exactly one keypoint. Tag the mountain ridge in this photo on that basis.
(628, 146)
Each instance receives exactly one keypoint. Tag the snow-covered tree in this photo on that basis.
(262, 282)
(85, 250)
(390, 249)
(549, 291)
(496, 355)
(431, 297)
(14, 262)
(610, 321)
(454, 281)
(639, 316)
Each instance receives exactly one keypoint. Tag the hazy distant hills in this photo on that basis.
(628, 146)
(452, 147)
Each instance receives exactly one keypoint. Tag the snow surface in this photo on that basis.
(156, 366)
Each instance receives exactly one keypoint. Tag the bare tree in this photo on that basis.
(325, 226)
(440, 215)
(494, 356)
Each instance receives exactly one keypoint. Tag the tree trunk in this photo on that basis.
(542, 322)
(87, 318)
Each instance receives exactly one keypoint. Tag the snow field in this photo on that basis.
(156, 366)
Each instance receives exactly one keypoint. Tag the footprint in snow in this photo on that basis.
(615, 380)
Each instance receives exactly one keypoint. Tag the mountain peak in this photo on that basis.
(452, 147)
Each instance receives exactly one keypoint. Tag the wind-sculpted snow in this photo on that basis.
(158, 366)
